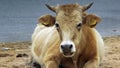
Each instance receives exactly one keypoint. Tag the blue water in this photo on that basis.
(18, 18)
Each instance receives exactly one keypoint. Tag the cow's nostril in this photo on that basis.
(71, 46)
(62, 46)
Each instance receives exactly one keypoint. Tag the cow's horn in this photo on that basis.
(51, 7)
(87, 6)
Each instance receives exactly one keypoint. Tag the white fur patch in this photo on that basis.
(68, 43)
(100, 45)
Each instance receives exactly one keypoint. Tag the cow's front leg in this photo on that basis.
(94, 63)
(51, 64)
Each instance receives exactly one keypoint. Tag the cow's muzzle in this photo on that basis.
(67, 48)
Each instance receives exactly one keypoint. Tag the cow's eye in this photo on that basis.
(57, 25)
(79, 25)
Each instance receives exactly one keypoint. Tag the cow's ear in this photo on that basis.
(47, 20)
(91, 20)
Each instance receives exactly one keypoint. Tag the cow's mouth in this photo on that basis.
(68, 54)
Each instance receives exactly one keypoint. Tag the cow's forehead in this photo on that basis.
(74, 16)
(69, 12)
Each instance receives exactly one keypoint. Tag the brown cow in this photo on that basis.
(72, 42)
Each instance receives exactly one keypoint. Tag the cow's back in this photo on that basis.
(43, 40)
(100, 45)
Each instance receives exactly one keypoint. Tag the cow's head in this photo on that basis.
(69, 20)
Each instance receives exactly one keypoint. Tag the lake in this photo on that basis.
(18, 18)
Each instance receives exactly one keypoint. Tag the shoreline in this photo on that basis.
(30, 41)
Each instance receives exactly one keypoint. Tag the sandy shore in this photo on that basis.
(17, 54)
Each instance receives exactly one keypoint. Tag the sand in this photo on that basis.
(17, 54)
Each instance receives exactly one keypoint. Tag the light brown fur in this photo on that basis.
(89, 44)
(47, 20)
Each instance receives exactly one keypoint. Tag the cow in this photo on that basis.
(72, 42)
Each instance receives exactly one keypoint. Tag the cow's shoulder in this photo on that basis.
(89, 42)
